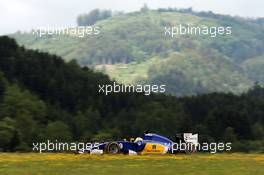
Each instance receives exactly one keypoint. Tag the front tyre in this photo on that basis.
(112, 148)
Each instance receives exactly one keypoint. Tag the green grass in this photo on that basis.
(198, 164)
(129, 73)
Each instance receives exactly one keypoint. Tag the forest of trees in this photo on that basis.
(42, 97)
(92, 17)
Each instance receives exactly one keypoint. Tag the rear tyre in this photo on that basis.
(190, 148)
(112, 148)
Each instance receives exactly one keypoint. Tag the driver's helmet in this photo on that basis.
(138, 139)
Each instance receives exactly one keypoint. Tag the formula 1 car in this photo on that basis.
(150, 144)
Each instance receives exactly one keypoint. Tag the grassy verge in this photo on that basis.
(64, 164)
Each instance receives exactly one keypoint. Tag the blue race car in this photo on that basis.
(150, 144)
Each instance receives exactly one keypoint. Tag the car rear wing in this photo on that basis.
(187, 138)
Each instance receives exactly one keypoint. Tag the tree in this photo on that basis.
(145, 8)
(58, 131)
(92, 17)
(3, 84)
(258, 131)
(17, 101)
(230, 135)
(103, 135)
(8, 135)
(25, 127)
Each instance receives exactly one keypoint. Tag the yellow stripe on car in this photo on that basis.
(154, 148)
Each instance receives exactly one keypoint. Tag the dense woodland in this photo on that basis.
(92, 17)
(42, 97)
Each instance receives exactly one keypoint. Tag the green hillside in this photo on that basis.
(255, 68)
(132, 48)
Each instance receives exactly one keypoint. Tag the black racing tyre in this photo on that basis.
(112, 148)
(190, 148)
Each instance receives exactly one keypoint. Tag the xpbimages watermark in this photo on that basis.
(202, 147)
(80, 31)
(202, 30)
(117, 88)
(56, 146)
